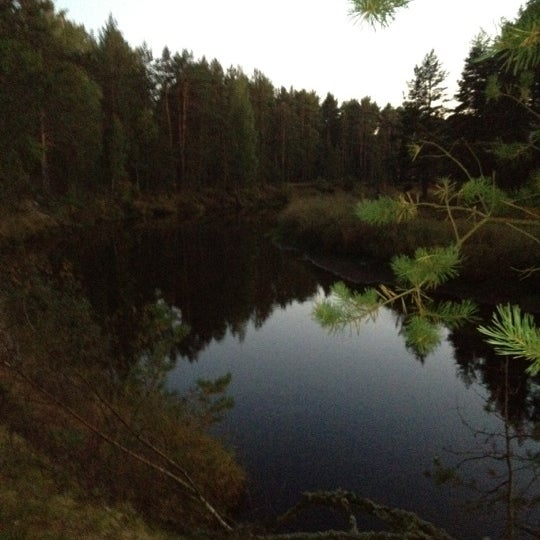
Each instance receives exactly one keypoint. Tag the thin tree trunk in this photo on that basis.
(168, 117)
(45, 181)
(183, 89)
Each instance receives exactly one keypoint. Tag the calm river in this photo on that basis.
(317, 411)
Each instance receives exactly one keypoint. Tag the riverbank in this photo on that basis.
(322, 225)
(495, 260)
(27, 219)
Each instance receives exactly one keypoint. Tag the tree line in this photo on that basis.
(82, 114)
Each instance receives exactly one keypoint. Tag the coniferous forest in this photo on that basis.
(84, 115)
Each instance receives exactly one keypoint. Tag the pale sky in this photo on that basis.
(306, 44)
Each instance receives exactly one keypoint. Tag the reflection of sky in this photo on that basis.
(352, 410)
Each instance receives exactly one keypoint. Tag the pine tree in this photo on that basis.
(330, 138)
(49, 104)
(485, 122)
(423, 118)
(263, 102)
(388, 140)
(124, 77)
(242, 152)
(309, 124)
(426, 91)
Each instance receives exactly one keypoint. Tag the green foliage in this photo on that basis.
(426, 91)
(422, 323)
(493, 88)
(212, 399)
(386, 210)
(377, 12)
(511, 151)
(428, 269)
(514, 334)
(484, 192)
(453, 314)
(347, 307)
(421, 334)
(162, 333)
(519, 41)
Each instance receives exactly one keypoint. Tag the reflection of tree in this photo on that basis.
(508, 456)
(477, 362)
(222, 278)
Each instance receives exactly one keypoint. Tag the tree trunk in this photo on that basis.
(45, 181)
(183, 89)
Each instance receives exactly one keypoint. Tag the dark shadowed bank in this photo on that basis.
(33, 218)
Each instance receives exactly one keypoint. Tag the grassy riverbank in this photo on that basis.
(325, 224)
(70, 468)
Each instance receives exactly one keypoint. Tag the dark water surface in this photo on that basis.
(354, 410)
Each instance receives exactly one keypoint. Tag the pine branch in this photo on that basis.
(515, 334)
(346, 307)
(421, 335)
(387, 210)
(429, 268)
(452, 314)
(377, 12)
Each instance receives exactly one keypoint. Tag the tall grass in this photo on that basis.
(326, 223)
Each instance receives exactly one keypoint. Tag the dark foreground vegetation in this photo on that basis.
(90, 439)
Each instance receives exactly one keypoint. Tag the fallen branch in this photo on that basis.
(407, 525)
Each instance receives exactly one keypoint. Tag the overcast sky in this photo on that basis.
(307, 44)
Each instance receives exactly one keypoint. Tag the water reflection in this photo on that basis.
(314, 411)
(222, 277)
(501, 471)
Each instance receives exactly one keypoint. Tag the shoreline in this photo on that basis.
(372, 273)
(28, 220)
